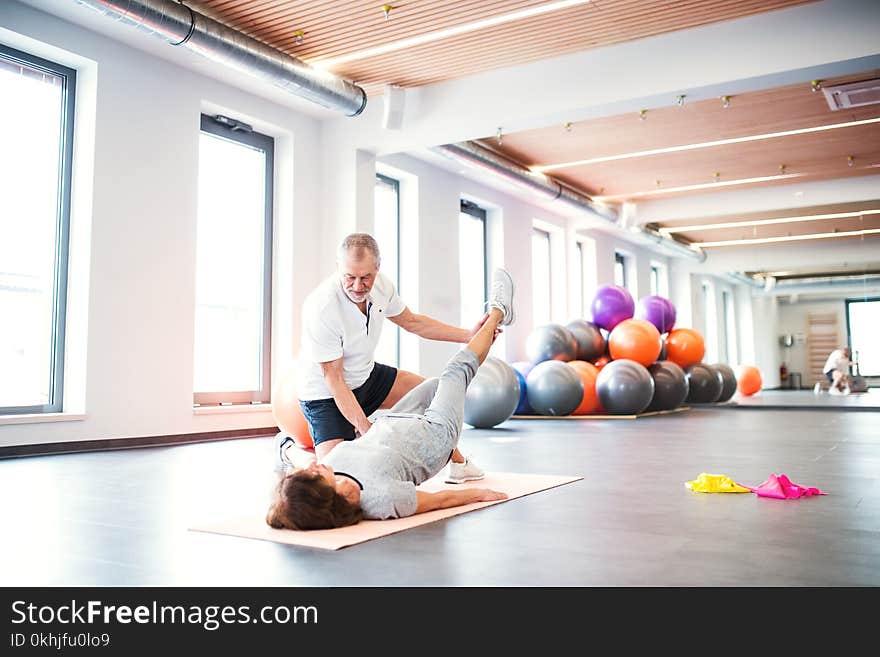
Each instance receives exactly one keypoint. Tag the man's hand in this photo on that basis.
(479, 325)
(361, 430)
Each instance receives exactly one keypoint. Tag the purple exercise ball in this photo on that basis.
(611, 305)
(657, 310)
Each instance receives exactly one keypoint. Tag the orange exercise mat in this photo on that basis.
(253, 525)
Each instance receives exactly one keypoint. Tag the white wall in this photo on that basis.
(134, 224)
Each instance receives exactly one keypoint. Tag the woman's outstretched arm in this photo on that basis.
(446, 499)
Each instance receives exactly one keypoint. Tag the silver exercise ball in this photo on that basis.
(551, 342)
(589, 339)
(554, 388)
(493, 395)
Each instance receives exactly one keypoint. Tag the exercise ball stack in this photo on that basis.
(493, 395)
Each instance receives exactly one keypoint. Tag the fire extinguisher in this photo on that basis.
(783, 372)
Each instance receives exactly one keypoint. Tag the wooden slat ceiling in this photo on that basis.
(810, 156)
(866, 215)
(338, 28)
(334, 28)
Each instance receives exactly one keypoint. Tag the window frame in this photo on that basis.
(547, 236)
(477, 212)
(849, 331)
(62, 227)
(244, 134)
(621, 259)
(395, 185)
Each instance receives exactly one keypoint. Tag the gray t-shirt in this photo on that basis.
(400, 451)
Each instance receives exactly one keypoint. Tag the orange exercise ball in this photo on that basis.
(287, 412)
(748, 380)
(635, 339)
(684, 346)
(588, 373)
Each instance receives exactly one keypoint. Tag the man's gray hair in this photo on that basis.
(359, 242)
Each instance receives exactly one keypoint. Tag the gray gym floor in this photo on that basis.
(121, 517)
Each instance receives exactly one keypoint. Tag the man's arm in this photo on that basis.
(343, 396)
(446, 499)
(432, 329)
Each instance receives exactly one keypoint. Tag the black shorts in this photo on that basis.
(830, 376)
(325, 420)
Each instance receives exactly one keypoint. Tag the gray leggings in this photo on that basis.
(441, 399)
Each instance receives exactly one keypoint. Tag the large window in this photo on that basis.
(541, 277)
(659, 280)
(862, 320)
(580, 307)
(36, 144)
(473, 275)
(387, 234)
(233, 264)
(710, 324)
(620, 277)
(731, 348)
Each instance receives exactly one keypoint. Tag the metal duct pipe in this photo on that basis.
(478, 156)
(181, 26)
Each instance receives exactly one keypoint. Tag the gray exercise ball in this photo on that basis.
(624, 387)
(670, 386)
(589, 339)
(704, 384)
(554, 388)
(728, 381)
(492, 395)
(551, 342)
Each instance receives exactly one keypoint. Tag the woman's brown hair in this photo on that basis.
(304, 500)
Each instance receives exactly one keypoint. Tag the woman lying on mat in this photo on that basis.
(375, 476)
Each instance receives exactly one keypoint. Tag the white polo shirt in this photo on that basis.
(836, 361)
(333, 327)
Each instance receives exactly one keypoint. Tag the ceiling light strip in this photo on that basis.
(765, 222)
(705, 144)
(450, 32)
(789, 238)
(690, 188)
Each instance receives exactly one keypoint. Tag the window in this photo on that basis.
(710, 332)
(387, 234)
(862, 320)
(36, 141)
(233, 264)
(619, 269)
(730, 346)
(473, 275)
(655, 280)
(541, 277)
(580, 307)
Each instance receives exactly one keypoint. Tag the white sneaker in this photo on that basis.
(462, 472)
(817, 388)
(834, 390)
(501, 295)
